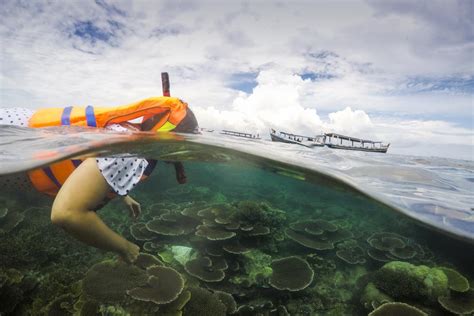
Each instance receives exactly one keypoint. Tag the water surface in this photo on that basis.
(336, 217)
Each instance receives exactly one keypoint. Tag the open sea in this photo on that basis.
(260, 228)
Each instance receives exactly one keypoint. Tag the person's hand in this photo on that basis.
(133, 206)
(130, 252)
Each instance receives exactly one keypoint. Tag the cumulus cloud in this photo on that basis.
(278, 102)
(274, 103)
(309, 66)
(356, 123)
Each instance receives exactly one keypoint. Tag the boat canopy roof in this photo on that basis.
(289, 134)
(352, 138)
(227, 132)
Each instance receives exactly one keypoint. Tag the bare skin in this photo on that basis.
(72, 209)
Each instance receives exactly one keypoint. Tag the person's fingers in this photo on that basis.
(135, 210)
(130, 209)
(138, 210)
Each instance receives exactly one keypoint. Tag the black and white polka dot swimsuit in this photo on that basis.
(15, 116)
(121, 173)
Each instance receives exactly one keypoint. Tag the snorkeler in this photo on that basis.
(80, 187)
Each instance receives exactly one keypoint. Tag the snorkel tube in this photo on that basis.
(178, 165)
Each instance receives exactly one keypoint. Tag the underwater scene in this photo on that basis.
(252, 232)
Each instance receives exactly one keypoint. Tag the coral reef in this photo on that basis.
(256, 269)
(456, 281)
(350, 252)
(11, 292)
(372, 297)
(317, 234)
(214, 233)
(224, 249)
(386, 246)
(458, 303)
(163, 286)
(145, 260)
(227, 300)
(291, 273)
(397, 309)
(9, 219)
(404, 280)
(109, 281)
(140, 232)
(204, 303)
(204, 269)
(176, 306)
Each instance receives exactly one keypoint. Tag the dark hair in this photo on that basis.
(188, 124)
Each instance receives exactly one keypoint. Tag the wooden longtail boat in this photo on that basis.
(331, 140)
(307, 141)
(240, 134)
(338, 141)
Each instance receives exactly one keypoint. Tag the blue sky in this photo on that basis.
(400, 71)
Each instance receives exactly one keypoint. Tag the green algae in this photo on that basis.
(405, 280)
(372, 297)
(256, 268)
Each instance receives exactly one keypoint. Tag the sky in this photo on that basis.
(397, 71)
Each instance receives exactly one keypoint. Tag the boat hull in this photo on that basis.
(373, 150)
(277, 138)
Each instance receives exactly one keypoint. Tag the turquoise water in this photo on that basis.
(259, 229)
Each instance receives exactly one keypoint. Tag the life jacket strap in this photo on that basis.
(90, 116)
(66, 116)
(50, 174)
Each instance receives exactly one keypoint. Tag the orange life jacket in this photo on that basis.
(169, 110)
(163, 113)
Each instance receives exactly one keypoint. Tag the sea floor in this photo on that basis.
(234, 240)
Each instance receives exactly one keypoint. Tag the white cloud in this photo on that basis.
(356, 123)
(370, 55)
(276, 102)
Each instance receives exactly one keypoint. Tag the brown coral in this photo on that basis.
(386, 246)
(458, 303)
(456, 281)
(108, 281)
(9, 220)
(140, 232)
(397, 309)
(204, 303)
(291, 273)
(203, 269)
(163, 286)
(214, 233)
(145, 261)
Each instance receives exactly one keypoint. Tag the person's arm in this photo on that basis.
(72, 210)
(133, 206)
